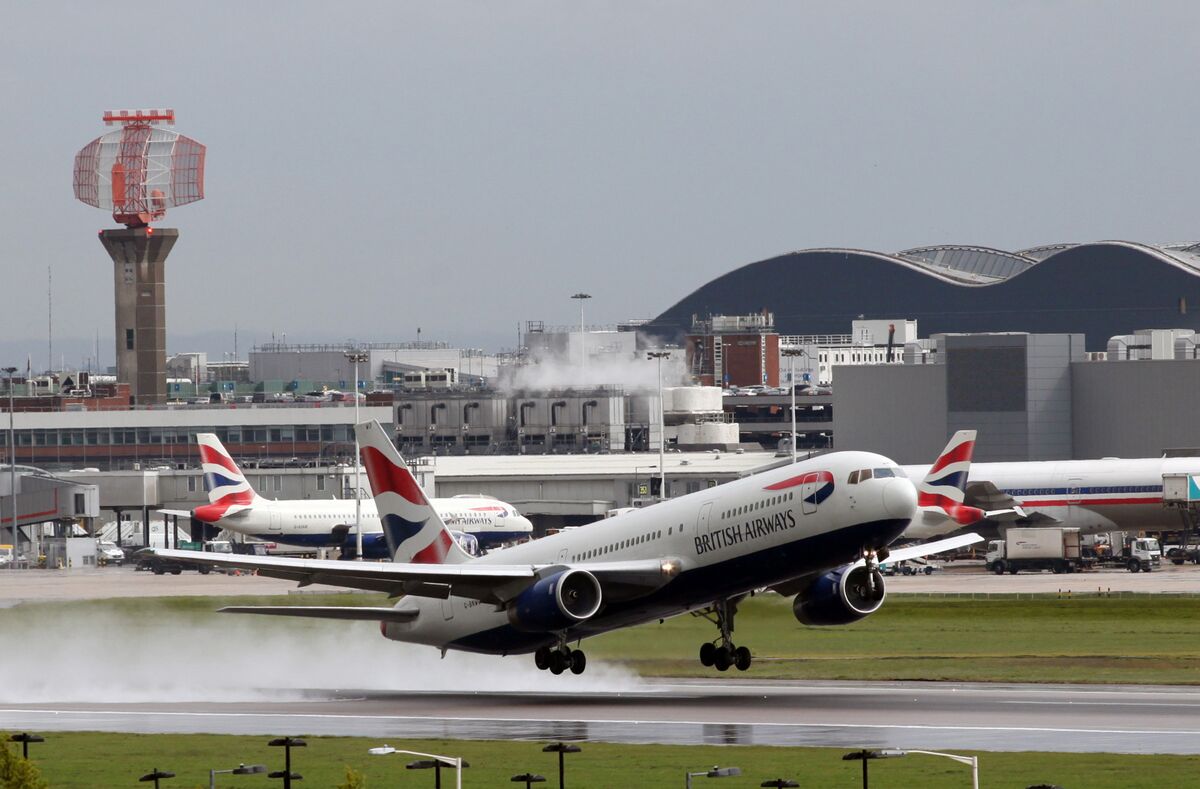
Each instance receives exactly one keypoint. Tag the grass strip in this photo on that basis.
(91, 760)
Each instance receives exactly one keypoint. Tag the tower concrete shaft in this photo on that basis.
(139, 286)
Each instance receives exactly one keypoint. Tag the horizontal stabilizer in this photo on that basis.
(986, 496)
(180, 513)
(343, 612)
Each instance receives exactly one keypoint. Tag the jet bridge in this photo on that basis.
(42, 498)
(1182, 492)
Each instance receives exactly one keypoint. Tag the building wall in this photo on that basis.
(1134, 409)
(746, 359)
(898, 411)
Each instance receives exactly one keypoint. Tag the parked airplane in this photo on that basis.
(234, 505)
(816, 530)
(1091, 495)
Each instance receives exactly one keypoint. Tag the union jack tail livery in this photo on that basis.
(411, 526)
(944, 487)
(228, 489)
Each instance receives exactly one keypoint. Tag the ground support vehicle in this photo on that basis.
(1057, 549)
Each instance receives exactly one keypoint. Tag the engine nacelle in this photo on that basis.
(840, 597)
(556, 602)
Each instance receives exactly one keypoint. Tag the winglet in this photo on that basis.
(411, 526)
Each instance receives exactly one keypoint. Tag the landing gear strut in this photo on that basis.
(721, 654)
(558, 659)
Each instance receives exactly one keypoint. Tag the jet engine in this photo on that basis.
(840, 597)
(556, 602)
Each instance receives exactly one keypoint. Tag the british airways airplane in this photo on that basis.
(815, 530)
(314, 523)
(1090, 495)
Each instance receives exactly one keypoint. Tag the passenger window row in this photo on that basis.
(616, 546)
(767, 502)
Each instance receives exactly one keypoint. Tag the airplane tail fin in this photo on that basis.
(224, 481)
(944, 486)
(412, 528)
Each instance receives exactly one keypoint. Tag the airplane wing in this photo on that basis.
(342, 612)
(488, 583)
(796, 585)
(930, 548)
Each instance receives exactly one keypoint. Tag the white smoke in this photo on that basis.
(631, 373)
(93, 654)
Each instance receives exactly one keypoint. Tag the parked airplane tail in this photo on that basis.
(412, 528)
(944, 486)
(228, 489)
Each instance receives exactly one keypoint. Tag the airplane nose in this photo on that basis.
(900, 498)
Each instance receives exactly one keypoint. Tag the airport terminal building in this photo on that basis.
(1098, 289)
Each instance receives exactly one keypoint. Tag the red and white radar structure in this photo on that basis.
(141, 169)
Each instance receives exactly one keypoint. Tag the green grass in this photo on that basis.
(83, 760)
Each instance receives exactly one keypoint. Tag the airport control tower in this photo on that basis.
(137, 172)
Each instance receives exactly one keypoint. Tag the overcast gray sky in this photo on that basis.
(375, 167)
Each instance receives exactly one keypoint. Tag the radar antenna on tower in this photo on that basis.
(140, 170)
(137, 172)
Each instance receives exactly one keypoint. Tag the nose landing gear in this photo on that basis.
(558, 659)
(722, 653)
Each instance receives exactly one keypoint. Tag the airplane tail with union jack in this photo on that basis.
(229, 492)
(413, 530)
(945, 485)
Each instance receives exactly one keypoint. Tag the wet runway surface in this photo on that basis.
(1130, 719)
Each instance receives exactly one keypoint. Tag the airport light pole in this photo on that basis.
(25, 738)
(891, 753)
(562, 749)
(791, 354)
(156, 776)
(529, 779)
(662, 428)
(715, 772)
(436, 761)
(356, 357)
(287, 743)
(241, 769)
(12, 467)
(582, 297)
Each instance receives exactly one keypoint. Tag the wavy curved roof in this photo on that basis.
(1101, 289)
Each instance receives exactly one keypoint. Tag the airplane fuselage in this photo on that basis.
(319, 523)
(1091, 495)
(726, 541)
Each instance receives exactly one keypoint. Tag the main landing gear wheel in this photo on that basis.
(722, 654)
(560, 658)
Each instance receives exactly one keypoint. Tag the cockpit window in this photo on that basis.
(880, 473)
(862, 475)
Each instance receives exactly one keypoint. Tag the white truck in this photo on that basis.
(1056, 549)
(1141, 553)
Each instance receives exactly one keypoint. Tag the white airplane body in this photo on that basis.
(314, 523)
(803, 530)
(1091, 495)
